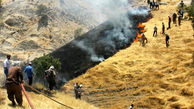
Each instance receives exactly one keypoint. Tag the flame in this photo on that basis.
(140, 25)
(138, 36)
(141, 30)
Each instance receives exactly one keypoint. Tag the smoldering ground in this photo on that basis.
(117, 30)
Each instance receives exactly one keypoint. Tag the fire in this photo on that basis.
(141, 30)
(140, 25)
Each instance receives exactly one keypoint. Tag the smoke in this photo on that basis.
(115, 13)
(94, 57)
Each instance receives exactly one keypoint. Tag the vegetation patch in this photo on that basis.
(190, 11)
(43, 63)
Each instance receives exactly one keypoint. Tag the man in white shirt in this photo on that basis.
(6, 65)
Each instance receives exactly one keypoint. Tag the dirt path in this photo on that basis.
(150, 77)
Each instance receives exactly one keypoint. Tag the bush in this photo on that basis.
(43, 63)
(0, 3)
(42, 10)
(190, 11)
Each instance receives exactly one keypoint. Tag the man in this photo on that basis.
(80, 91)
(182, 4)
(169, 22)
(148, 2)
(131, 107)
(174, 16)
(155, 30)
(179, 19)
(182, 13)
(76, 87)
(50, 77)
(77, 90)
(144, 39)
(163, 28)
(13, 81)
(6, 65)
(30, 73)
(167, 40)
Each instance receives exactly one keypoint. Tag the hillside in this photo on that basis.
(30, 29)
(150, 77)
(41, 102)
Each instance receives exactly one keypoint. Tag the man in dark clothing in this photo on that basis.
(182, 4)
(148, 1)
(76, 87)
(167, 40)
(169, 22)
(77, 90)
(174, 16)
(155, 31)
(182, 13)
(13, 81)
(163, 28)
(50, 77)
(144, 39)
(179, 19)
(30, 73)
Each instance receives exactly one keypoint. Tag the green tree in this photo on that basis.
(0, 3)
(43, 63)
(190, 11)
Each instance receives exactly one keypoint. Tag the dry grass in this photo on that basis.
(41, 102)
(150, 77)
(2, 98)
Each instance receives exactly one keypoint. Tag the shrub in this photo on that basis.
(43, 63)
(190, 11)
(42, 10)
(0, 3)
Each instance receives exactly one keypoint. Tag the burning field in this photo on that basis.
(150, 77)
(100, 43)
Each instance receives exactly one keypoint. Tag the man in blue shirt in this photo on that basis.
(30, 73)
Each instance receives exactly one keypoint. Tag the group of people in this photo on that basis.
(153, 4)
(174, 18)
(14, 79)
(77, 90)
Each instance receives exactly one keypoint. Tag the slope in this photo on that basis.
(150, 77)
(41, 102)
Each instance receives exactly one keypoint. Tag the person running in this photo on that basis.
(155, 31)
(163, 28)
(6, 65)
(167, 40)
(30, 73)
(13, 81)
